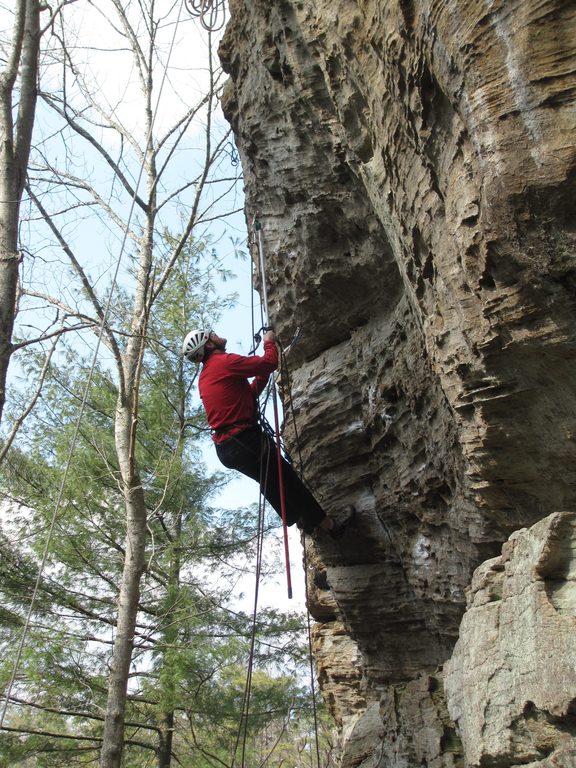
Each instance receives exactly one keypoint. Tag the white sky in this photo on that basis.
(105, 59)
(183, 44)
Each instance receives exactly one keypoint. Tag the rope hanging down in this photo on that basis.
(258, 229)
(287, 386)
(212, 13)
(242, 733)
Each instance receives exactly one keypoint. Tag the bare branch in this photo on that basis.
(61, 211)
(51, 734)
(175, 194)
(14, 153)
(72, 713)
(89, 321)
(205, 220)
(72, 181)
(77, 128)
(34, 399)
(28, 74)
(55, 13)
(58, 332)
(132, 38)
(69, 737)
(8, 77)
(85, 283)
(55, 335)
(184, 237)
(87, 92)
(183, 125)
(213, 759)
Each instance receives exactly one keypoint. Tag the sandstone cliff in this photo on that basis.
(413, 164)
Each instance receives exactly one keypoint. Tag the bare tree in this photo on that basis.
(132, 194)
(16, 125)
(18, 99)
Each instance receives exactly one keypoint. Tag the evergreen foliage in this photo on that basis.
(190, 652)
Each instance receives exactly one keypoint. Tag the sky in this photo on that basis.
(182, 45)
(184, 49)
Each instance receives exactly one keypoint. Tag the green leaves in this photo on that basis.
(191, 644)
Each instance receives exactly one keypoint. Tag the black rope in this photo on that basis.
(212, 13)
(245, 709)
(267, 432)
(242, 734)
(311, 660)
(286, 383)
(232, 153)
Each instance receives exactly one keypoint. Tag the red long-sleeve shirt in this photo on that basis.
(229, 398)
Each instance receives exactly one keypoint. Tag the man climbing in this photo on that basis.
(230, 402)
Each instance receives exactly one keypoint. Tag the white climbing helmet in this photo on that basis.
(193, 344)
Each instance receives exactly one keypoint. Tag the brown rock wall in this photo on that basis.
(412, 163)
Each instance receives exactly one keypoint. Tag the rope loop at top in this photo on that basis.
(212, 13)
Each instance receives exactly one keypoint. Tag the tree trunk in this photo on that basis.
(129, 594)
(128, 600)
(14, 153)
(136, 535)
(166, 724)
(169, 633)
(126, 422)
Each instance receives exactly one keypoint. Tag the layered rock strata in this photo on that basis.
(412, 163)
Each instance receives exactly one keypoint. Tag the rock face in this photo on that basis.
(511, 682)
(413, 166)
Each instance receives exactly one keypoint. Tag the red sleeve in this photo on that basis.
(261, 378)
(262, 366)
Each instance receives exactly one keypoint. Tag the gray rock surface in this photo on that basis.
(413, 166)
(511, 681)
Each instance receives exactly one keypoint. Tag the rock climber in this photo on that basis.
(230, 402)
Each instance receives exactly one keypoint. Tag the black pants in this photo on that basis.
(255, 455)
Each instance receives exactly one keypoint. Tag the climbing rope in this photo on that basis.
(287, 388)
(264, 308)
(242, 733)
(212, 13)
(232, 153)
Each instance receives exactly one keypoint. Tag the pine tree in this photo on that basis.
(188, 669)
